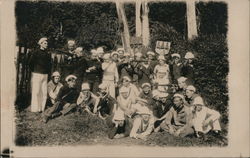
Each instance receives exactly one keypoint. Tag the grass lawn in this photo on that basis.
(85, 129)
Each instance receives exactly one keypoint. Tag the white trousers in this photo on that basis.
(111, 87)
(213, 125)
(39, 92)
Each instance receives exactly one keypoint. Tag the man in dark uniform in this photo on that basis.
(65, 101)
(106, 103)
(40, 64)
(94, 73)
(69, 59)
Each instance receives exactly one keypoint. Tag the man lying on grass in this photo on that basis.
(65, 101)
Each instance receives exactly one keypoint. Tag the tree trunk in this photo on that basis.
(125, 30)
(191, 19)
(138, 23)
(145, 25)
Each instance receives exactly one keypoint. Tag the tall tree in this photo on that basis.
(138, 23)
(191, 20)
(124, 24)
(145, 25)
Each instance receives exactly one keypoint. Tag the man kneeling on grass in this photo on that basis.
(178, 120)
(65, 101)
(87, 101)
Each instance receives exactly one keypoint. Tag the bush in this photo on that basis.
(211, 71)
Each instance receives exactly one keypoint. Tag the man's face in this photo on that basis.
(146, 89)
(115, 57)
(44, 45)
(124, 95)
(72, 83)
(181, 84)
(137, 58)
(125, 82)
(177, 101)
(93, 56)
(56, 79)
(103, 91)
(161, 62)
(189, 93)
(85, 92)
(121, 54)
(107, 60)
(145, 118)
(150, 57)
(176, 60)
(198, 107)
(100, 54)
(71, 47)
(163, 99)
(190, 61)
(120, 122)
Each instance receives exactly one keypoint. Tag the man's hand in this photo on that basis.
(205, 123)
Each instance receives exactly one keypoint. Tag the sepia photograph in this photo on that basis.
(121, 73)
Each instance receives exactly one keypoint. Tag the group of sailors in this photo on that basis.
(135, 94)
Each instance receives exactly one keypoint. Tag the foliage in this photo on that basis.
(211, 71)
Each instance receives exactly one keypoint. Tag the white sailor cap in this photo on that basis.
(85, 86)
(106, 56)
(189, 55)
(70, 77)
(56, 73)
(161, 57)
(198, 101)
(181, 79)
(178, 95)
(42, 40)
(191, 88)
(175, 55)
(114, 53)
(145, 84)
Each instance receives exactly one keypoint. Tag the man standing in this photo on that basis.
(40, 65)
(69, 59)
(94, 72)
(110, 74)
(65, 101)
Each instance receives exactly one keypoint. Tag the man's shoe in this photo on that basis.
(56, 115)
(45, 119)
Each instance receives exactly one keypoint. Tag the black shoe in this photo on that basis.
(56, 115)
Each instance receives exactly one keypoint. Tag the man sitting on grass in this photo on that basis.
(87, 101)
(65, 101)
(205, 120)
(143, 124)
(106, 103)
(53, 87)
(119, 127)
(146, 93)
(178, 120)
